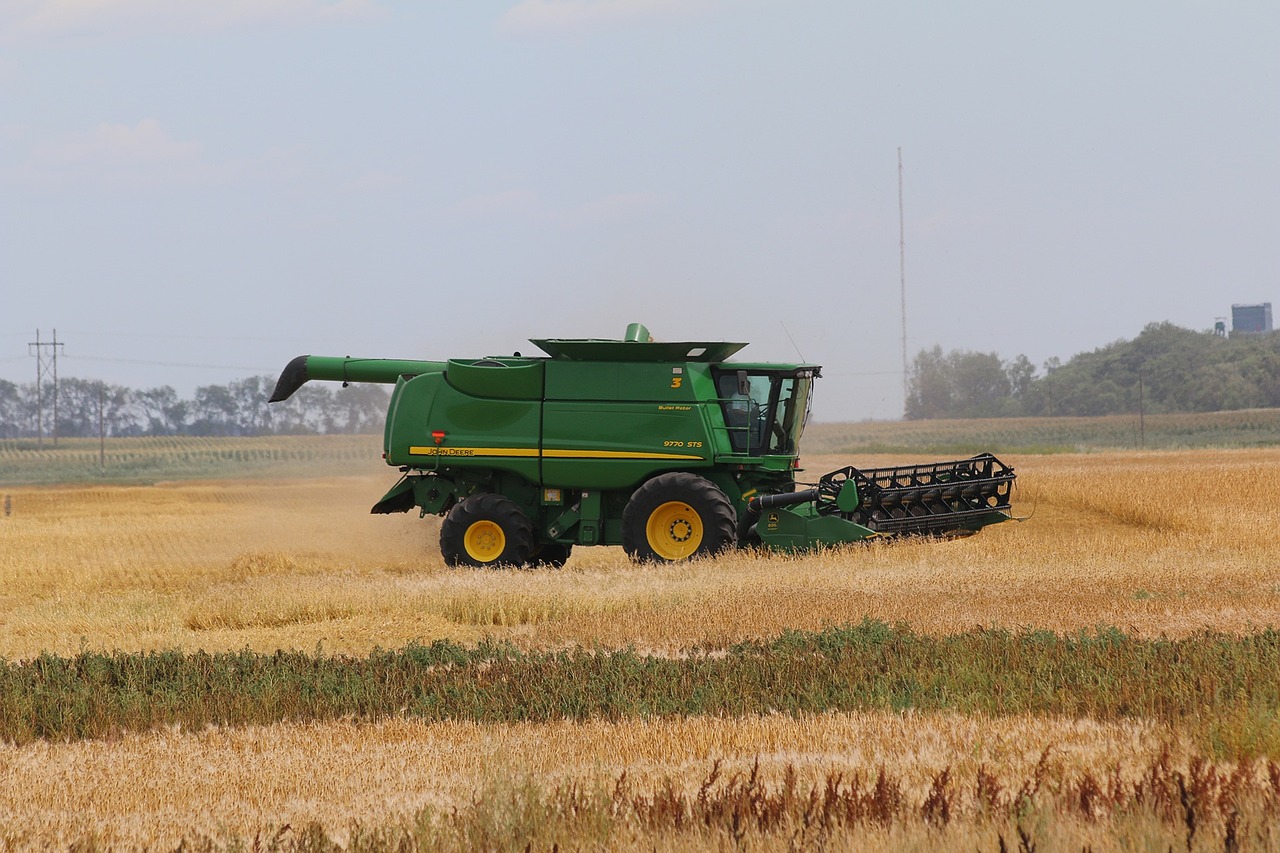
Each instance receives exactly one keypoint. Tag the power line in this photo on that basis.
(46, 354)
(173, 363)
(826, 373)
(174, 337)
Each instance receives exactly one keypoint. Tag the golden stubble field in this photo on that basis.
(1167, 543)
(155, 788)
(1155, 543)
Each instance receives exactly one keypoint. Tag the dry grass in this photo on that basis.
(153, 788)
(1154, 543)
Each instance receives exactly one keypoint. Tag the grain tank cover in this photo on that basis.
(502, 378)
(594, 349)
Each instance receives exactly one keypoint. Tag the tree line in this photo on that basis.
(238, 408)
(1165, 369)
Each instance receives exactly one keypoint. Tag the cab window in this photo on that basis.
(764, 412)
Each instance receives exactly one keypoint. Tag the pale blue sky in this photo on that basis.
(191, 192)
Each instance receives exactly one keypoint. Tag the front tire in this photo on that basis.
(676, 516)
(485, 531)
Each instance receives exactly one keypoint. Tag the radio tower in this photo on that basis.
(46, 353)
(902, 281)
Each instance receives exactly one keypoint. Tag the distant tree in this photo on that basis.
(253, 413)
(159, 411)
(363, 407)
(1165, 369)
(1222, 386)
(1021, 373)
(237, 408)
(215, 412)
(82, 402)
(15, 411)
(958, 384)
(929, 385)
(981, 387)
(1260, 367)
(308, 411)
(1170, 368)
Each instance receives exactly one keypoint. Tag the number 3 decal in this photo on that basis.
(676, 381)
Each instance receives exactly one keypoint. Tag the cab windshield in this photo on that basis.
(764, 410)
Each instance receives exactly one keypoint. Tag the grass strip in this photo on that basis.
(1045, 435)
(146, 459)
(151, 459)
(1165, 807)
(1224, 687)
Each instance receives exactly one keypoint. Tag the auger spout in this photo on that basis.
(387, 371)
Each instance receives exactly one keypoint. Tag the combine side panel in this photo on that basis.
(608, 425)
(433, 426)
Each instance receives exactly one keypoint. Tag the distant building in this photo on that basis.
(1250, 319)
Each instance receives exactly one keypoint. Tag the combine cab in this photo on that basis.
(668, 449)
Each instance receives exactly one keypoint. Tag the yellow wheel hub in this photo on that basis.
(674, 530)
(484, 541)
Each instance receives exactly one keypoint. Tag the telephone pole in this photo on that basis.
(46, 354)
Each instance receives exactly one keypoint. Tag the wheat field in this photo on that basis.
(254, 780)
(1156, 543)
(1167, 543)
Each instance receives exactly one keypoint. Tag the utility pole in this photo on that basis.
(1142, 416)
(102, 430)
(46, 354)
(902, 281)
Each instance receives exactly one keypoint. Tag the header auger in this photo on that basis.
(665, 448)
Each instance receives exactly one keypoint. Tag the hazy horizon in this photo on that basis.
(194, 193)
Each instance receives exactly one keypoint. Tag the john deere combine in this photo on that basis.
(667, 449)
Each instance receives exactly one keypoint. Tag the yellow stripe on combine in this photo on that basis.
(613, 454)
(473, 451)
(546, 454)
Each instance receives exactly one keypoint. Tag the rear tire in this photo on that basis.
(486, 531)
(676, 516)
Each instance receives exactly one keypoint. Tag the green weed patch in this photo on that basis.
(1223, 688)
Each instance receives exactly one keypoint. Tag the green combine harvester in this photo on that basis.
(667, 449)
